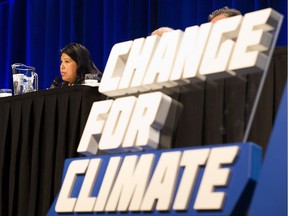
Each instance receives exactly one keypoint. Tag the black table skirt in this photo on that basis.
(39, 130)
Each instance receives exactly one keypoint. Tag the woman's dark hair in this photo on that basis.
(81, 55)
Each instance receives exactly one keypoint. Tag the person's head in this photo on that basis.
(76, 61)
(161, 31)
(223, 13)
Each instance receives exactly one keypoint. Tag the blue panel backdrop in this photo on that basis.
(32, 31)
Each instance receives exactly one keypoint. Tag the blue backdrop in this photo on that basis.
(32, 31)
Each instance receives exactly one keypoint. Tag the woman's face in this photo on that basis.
(68, 68)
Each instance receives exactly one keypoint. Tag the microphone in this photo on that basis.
(55, 82)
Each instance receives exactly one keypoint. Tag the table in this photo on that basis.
(38, 131)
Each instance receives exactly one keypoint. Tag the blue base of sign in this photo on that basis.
(244, 171)
(270, 197)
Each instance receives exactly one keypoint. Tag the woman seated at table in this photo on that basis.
(76, 61)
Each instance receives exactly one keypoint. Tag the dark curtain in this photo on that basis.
(32, 31)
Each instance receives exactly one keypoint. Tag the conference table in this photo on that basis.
(39, 130)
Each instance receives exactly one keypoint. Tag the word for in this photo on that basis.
(126, 124)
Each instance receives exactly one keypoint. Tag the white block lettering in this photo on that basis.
(215, 175)
(116, 124)
(190, 54)
(253, 39)
(159, 70)
(139, 58)
(131, 183)
(220, 46)
(191, 160)
(148, 119)
(93, 129)
(114, 69)
(163, 182)
(85, 202)
(107, 183)
(64, 202)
